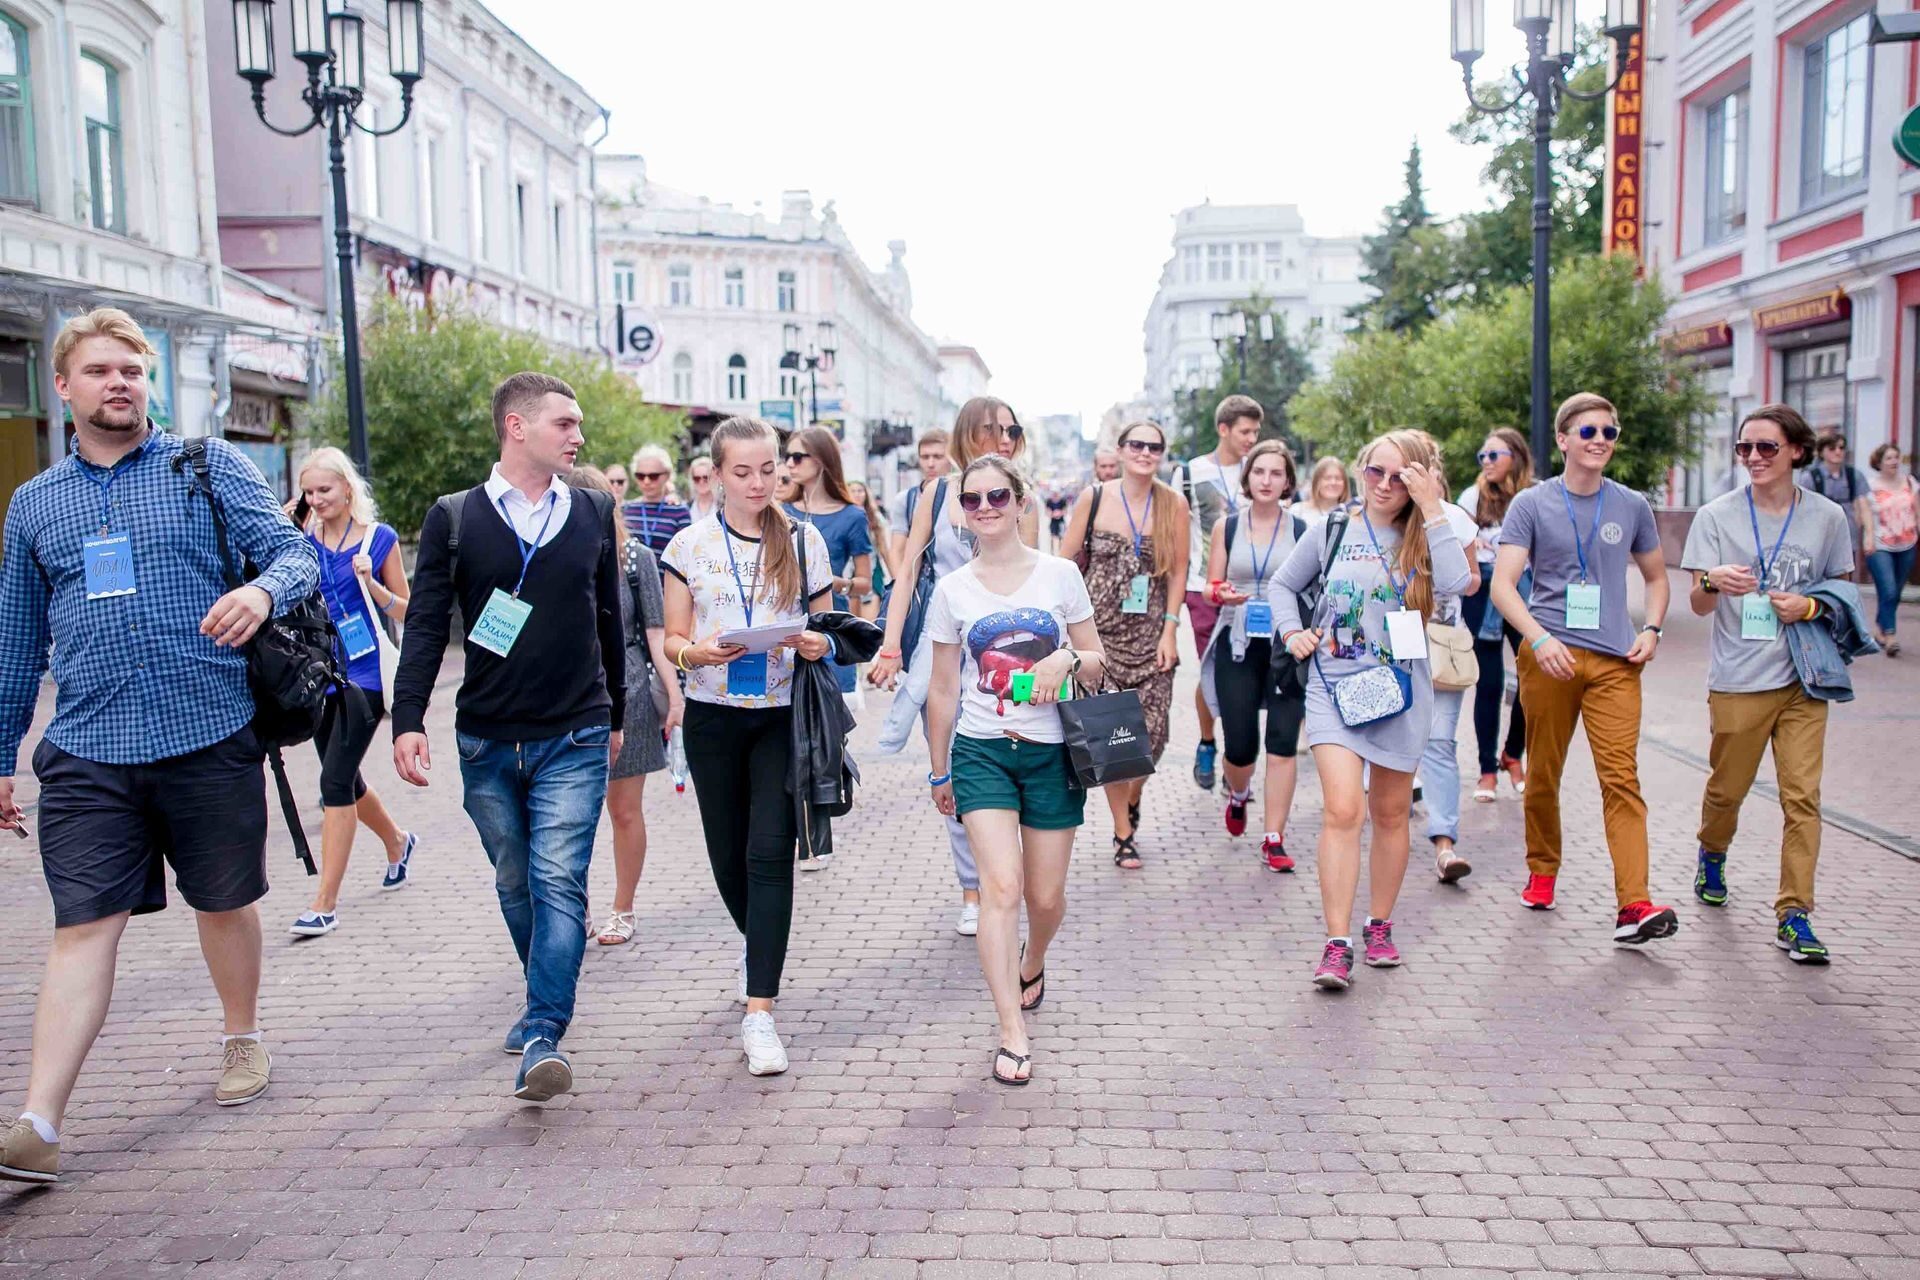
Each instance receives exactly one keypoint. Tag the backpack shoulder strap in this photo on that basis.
(1299, 527)
(1337, 522)
(913, 500)
(1232, 527)
(939, 497)
(194, 454)
(1093, 505)
(602, 504)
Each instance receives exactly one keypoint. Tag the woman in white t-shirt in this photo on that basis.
(1009, 629)
(741, 568)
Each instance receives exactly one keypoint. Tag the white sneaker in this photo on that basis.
(969, 922)
(743, 973)
(818, 862)
(766, 1056)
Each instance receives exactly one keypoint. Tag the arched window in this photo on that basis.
(736, 377)
(106, 172)
(17, 181)
(683, 379)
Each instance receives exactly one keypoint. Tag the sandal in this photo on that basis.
(1027, 984)
(1124, 852)
(1516, 774)
(1018, 1060)
(1483, 791)
(617, 929)
(1451, 867)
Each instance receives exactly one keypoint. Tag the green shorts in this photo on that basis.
(1030, 778)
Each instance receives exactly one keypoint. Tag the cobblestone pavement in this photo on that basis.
(1522, 1099)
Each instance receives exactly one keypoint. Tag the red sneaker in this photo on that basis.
(1237, 814)
(1539, 893)
(1640, 922)
(1275, 852)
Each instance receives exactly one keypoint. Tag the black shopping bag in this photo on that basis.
(1106, 738)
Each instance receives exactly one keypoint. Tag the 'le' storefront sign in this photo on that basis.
(1624, 158)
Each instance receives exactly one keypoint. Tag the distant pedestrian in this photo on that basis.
(931, 450)
(534, 567)
(868, 605)
(654, 517)
(813, 460)
(1582, 534)
(1834, 477)
(1210, 484)
(1374, 574)
(1757, 555)
(1106, 465)
(702, 500)
(150, 760)
(364, 583)
(1896, 537)
(1000, 764)
(1237, 669)
(1506, 467)
(1327, 491)
(1133, 532)
(617, 481)
(743, 568)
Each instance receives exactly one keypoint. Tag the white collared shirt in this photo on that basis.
(529, 519)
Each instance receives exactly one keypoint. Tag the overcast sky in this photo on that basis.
(1031, 154)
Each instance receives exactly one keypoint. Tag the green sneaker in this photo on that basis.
(1795, 937)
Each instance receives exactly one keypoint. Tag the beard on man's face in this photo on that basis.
(117, 416)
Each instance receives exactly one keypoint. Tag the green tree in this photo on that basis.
(1398, 261)
(1469, 372)
(1276, 369)
(429, 376)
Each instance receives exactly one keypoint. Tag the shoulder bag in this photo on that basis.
(1369, 696)
(1450, 656)
(386, 631)
(923, 583)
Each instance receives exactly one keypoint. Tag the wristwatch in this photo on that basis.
(1074, 670)
(1706, 585)
(1656, 630)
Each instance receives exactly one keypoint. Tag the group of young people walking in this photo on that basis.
(591, 629)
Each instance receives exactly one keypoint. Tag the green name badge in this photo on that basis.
(1136, 601)
(499, 624)
(1583, 606)
(1758, 621)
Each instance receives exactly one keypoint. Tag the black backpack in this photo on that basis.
(291, 662)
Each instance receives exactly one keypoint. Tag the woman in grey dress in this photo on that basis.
(1392, 554)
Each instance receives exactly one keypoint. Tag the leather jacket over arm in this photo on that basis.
(822, 774)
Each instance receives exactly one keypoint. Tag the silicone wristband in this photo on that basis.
(1545, 636)
(887, 653)
(1171, 617)
(1813, 609)
(940, 781)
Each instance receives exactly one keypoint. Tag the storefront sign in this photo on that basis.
(252, 416)
(1803, 313)
(779, 413)
(1707, 337)
(1623, 157)
(636, 337)
(1906, 139)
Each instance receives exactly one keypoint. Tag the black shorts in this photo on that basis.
(342, 743)
(106, 830)
(1248, 687)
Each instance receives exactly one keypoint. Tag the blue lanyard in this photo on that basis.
(112, 473)
(527, 549)
(326, 572)
(1226, 490)
(646, 524)
(1769, 562)
(1392, 579)
(1266, 558)
(746, 600)
(1599, 503)
(1148, 517)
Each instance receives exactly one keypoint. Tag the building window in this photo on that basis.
(1726, 193)
(1814, 381)
(1190, 264)
(482, 231)
(736, 286)
(559, 270)
(1245, 267)
(788, 292)
(789, 385)
(683, 379)
(520, 228)
(17, 180)
(1833, 121)
(736, 377)
(680, 285)
(106, 174)
(1219, 262)
(430, 189)
(625, 282)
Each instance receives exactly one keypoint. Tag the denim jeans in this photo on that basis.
(1439, 769)
(1890, 570)
(536, 806)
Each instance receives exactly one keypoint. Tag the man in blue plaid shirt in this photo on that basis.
(150, 758)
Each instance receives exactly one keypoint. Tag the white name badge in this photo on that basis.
(1259, 620)
(499, 624)
(108, 561)
(1583, 606)
(1406, 634)
(1758, 621)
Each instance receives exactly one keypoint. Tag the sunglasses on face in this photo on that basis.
(1589, 431)
(1154, 447)
(1375, 475)
(704, 477)
(1747, 448)
(795, 459)
(1492, 455)
(650, 475)
(1015, 433)
(995, 498)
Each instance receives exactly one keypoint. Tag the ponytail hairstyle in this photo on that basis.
(825, 449)
(1496, 498)
(780, 571)
(1167, 504)
(1415, 567)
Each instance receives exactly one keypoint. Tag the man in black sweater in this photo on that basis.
(533, 566)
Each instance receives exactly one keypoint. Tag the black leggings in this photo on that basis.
(1245, 689)
(738, 757)
(342, 747)
(1487, 697)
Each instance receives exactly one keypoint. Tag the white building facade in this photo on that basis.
(106, 198)
(718, 287)
(963, 375)
(1782, 220)
(1225, 254)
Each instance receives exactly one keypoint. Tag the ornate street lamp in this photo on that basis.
(1549, 26)
(331, 43)
(821, 349)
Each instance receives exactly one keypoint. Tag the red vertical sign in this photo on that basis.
(1624, 153)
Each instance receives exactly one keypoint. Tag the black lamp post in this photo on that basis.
(819, 355)
(332, 44)
(1550, 31)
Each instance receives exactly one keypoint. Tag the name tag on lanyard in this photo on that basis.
(1259, 620)
(1137, 594)
(747, 676)
(1406, 634)
(1583, 606)
(356, 637)
(108, 561)
(500, 623)
(1758, 621)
